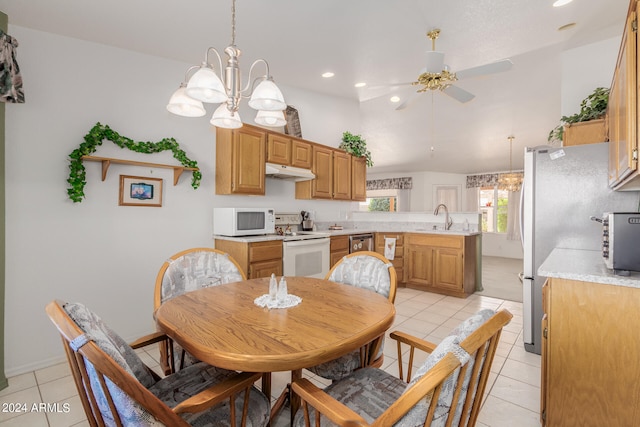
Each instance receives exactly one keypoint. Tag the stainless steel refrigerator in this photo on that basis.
(562, 189)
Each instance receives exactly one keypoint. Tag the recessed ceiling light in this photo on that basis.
(567, 26)
(360, 84)
(394, 99)
(559, 3)
(328, 74)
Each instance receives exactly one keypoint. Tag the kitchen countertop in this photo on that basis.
(387, 230)
(347, 231)
(585, 266)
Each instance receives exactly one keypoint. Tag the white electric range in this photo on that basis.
(304, 253)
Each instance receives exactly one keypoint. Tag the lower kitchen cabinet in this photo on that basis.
(445, 264)
(590, 347)
(398, 258)
(257, 259)
(339, 248)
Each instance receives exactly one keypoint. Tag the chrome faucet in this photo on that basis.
(447, 221)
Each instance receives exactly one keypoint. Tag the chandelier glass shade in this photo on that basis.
(225, 88)
(184, 105)
(511, 181)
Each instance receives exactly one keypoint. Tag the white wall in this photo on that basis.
(584, 69)
(97, 252)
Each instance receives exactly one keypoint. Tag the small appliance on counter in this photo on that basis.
(307, 223)
(620, 237)
(236, 222)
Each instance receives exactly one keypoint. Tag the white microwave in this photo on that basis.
(243, 221)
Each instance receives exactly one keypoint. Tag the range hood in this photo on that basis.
(289, 173)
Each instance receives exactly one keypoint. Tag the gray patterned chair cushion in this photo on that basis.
(382, 389)
(109, 342)
(171, 390)
(362, 271)
(356, 392)
(197, 270)
(194, 379)
(192, 271)
(451, 343)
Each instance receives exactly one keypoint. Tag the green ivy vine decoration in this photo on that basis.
(92, 140)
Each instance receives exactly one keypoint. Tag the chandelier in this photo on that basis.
(511, 181)
(205, 85)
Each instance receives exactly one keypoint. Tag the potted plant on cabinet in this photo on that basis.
(356, 146)
(592, 110)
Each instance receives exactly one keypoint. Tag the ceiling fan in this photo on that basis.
(437, 76)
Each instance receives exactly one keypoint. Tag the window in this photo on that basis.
(493, 205)
(380, 201)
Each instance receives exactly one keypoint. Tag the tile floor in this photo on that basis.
(513, 396)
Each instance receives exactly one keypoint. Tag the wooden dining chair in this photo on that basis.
(447, 390)
(117, 389)
(368, 270)
(184, 272)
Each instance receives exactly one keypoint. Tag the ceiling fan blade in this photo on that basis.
(458, 94)
(483, 70)
(389, 85)
(409, 100)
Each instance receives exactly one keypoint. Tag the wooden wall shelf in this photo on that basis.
(106, 162)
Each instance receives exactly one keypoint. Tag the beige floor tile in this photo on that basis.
(499, 413)
(58, 390)
(19, 382)
(52, 372)
(521, 355)
(31, 419)
(522, 372)
(517, 392)
(18, 403)
(68, 413)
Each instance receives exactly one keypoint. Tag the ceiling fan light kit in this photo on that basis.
(437, 75)
(207, 86)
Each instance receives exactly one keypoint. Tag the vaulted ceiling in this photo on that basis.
(378, 42)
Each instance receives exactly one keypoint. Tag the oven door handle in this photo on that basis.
(307, 242)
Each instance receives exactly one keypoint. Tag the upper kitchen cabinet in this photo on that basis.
(622, 112)
(358, 178)
(284, 150)
(339, 176)
(240, 160)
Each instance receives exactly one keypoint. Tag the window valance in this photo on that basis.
(483, 180)
(405, 183)
(10, 79)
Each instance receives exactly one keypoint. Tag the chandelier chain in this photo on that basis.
(233, 23)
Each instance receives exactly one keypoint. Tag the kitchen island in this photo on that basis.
(590, 346)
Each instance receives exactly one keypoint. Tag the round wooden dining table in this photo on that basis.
(221, 325)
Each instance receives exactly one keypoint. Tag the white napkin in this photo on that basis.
(389, 247)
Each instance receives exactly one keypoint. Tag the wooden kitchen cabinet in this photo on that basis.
(445, 264)
(240, 160)
(398, 257)
(257, 259)
(339, 248)
(334, 176)
(358, 179)
(622, 111)
(590, 372)
(288, 151)
(341, 175)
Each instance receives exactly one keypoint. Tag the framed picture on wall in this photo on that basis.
(140, 191)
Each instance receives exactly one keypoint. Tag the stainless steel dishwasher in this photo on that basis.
(360, 242)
